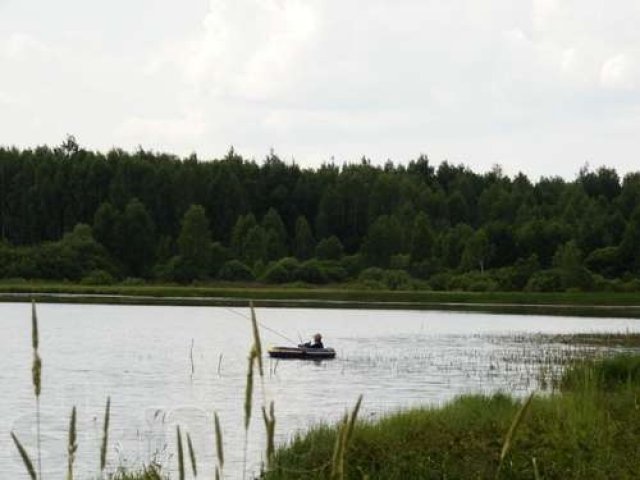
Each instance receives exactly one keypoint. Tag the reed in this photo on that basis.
(192, 456)
(72, 445)
(36, 376)
(345, 432)
(256, 339)
(193, 367)
(28, 464)
(219, 446)
(181, 475)
(270, 427)
(509, 439)
(105, 435)
(248, 404)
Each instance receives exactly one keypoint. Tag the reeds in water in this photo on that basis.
(105, 435)
(28, 464)
(270, 427)
(180, 454)
(72, 446)
(36, 376)
(219, 447)
(192, 456)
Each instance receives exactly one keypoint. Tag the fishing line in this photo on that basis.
(275, 332)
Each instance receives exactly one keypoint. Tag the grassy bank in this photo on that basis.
(590, 430)
(339, 296)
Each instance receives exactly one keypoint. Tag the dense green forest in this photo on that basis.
(71, 214)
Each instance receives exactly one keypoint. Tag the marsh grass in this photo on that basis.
(72, 445)
(181, 468)
(192, 456)
(26, 460)
(105, 435)
(36, 374)
(589, 429)
(219, 470)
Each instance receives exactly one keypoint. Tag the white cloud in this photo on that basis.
(534, 85)
(177, 129)
(619, 72)
(19, 45)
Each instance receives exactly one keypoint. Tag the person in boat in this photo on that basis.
(317, 342)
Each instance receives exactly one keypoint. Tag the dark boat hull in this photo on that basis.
(302, 353)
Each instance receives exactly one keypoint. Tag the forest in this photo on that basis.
(70, 214)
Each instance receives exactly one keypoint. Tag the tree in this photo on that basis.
(630, 245)
(422, 239)
(242, 227)
(329, 249)
(477, 251)
(105, 223)
(568, 261)
(194, 242)
(136, 239)
(276, 235)
(385, 238)
(303, 242)
(255, 245)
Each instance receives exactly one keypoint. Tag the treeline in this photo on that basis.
(71, 214)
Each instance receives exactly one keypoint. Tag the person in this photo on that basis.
(317, 342)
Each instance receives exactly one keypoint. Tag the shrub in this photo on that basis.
(236, 271)
(98, 277)
(545, 281)
(329, 248)
(440, 281)
(312, 271)
(282, 271)
(352, 264)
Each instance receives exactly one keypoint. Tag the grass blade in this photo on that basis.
(36, 377)
(508, 441)
(192, 456)
(72, 445)
(256, 339)
(219, 444)
(270, 427)
(105, 435)
(180, 454)
(25, 457)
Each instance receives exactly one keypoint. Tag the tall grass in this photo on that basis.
(72, 445)
(219, 469)
(180, 453)
(28, 464)
(36, 374)
(105, 436)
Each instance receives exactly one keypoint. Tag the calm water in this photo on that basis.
(140, 356)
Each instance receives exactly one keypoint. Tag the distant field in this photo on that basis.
(340, 296)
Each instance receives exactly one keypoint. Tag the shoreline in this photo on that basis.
(597, 304)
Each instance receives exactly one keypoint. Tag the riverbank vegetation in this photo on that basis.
(68, 214)
(589, 428)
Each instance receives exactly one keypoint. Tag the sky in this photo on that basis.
(539, 86)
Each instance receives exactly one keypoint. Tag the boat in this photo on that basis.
(303, 353)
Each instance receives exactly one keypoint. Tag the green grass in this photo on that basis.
(590, 430)
(342, 296)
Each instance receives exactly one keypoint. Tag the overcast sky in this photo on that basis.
(540, 86)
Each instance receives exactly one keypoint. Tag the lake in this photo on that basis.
(141, 356)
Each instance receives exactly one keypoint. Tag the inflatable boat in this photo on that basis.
(302, 353)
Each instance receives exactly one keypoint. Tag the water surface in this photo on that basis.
(141, 357)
